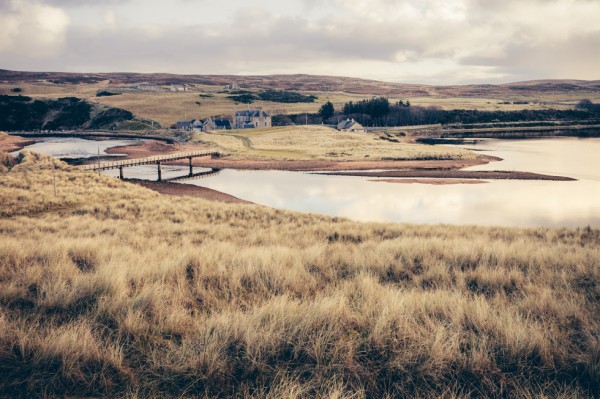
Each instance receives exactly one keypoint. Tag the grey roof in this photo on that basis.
(185, 123)
(347, 124)
(253, 113)
(222, 122)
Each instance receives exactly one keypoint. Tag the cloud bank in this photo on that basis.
(426, 41)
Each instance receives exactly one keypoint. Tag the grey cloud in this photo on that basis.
(487, 38)
(81, 3)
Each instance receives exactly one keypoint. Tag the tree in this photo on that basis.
(327, 110)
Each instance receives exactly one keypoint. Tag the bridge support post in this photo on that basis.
(191, 166)
(159, 171)
(121, 172)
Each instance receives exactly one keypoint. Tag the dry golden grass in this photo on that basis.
(322, 143)
(109, 289)
(168, 107)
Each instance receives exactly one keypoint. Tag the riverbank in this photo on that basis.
(9, 143)
(189, 190)
(154, 148)
(151, 148)
(433, 182)
(454, 174)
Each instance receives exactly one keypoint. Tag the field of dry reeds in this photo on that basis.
(321, 143)
(109, 289)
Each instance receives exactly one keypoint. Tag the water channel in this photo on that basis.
(499, 202)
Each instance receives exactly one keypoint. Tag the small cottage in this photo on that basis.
(186, 126)
(350, 125)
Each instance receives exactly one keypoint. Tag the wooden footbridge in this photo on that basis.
(156, 160)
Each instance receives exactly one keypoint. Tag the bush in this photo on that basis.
(282, 96)
(104, 93)
(243, 98)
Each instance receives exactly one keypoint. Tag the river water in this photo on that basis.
(72, 147)
(499, 202)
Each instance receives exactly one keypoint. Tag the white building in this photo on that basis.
(350, 125)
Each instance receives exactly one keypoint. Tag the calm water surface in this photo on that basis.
(500, 202)
(71, 147)
(503, 203)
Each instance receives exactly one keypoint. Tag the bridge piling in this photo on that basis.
(191, 167)
(159, 171)
(121, 172)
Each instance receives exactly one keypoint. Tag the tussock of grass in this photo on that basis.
(111, 289)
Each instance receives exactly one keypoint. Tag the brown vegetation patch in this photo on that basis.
(9, 143)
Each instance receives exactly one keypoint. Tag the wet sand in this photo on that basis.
(189, 190)
(152, 148)
(435, 182)
(454, 174)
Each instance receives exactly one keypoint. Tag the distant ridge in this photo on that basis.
(315, 83)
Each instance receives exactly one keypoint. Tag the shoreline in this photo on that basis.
(10, 143)
(424, 171)
(431, 181)
(151, 148)
(188, 190)
(453, 174)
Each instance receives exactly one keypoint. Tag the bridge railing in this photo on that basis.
(146, 160)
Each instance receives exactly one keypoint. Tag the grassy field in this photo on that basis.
(109, 289)
(169, 107)
(323, 143)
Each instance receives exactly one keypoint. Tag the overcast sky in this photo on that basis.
(421, 41)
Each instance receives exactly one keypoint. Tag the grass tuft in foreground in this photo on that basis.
(109, 289)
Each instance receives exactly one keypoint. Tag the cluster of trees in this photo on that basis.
(283, 96)
(277, 96)
(375, 107)
(378, 111)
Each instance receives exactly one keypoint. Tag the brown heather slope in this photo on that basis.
(112, 290)
(313, 83)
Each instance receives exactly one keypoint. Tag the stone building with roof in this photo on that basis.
(251, 119)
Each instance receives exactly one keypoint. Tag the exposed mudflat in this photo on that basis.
(179, 189)
(455, 174)
(10, 143)
(434, 182)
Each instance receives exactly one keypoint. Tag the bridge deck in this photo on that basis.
(147, 161)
